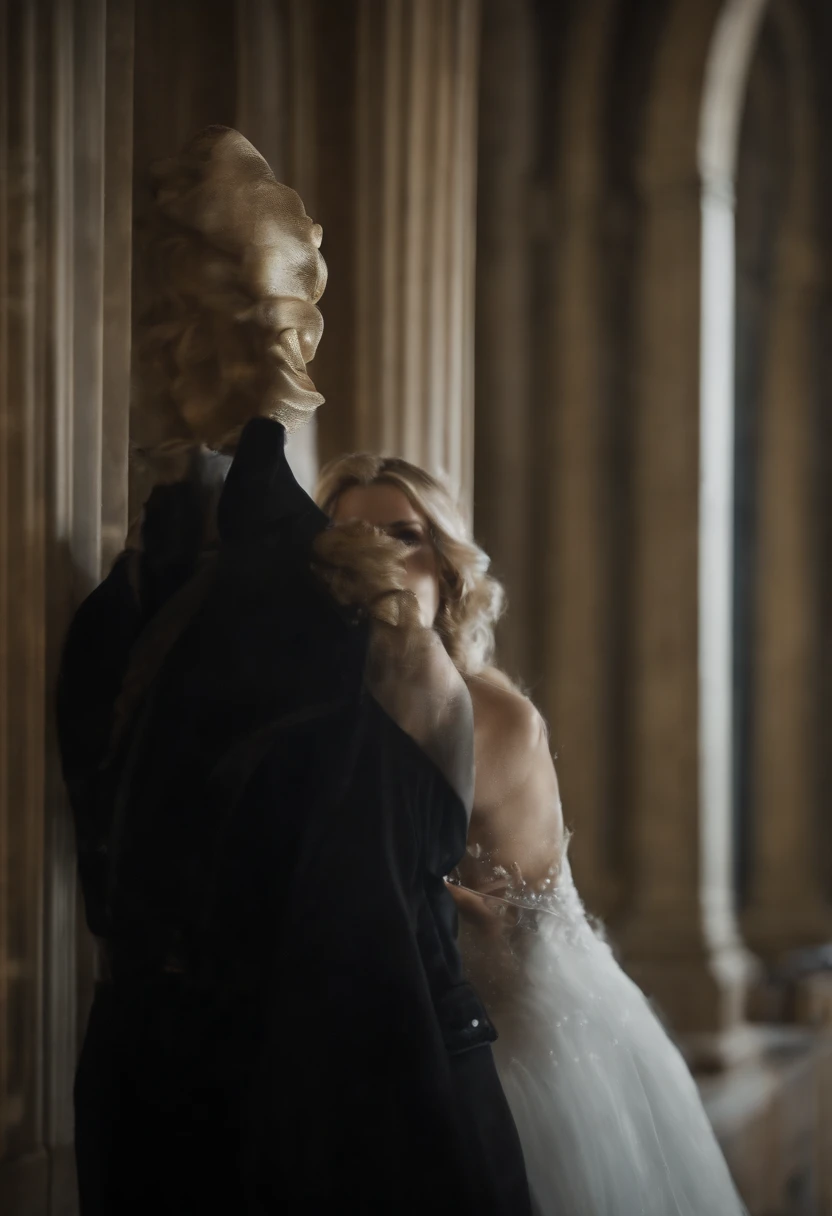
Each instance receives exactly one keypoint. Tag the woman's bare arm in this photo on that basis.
(515, 840)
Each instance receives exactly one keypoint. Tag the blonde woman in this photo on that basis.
(608, 1114)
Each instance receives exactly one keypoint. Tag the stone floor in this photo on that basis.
(772, 1117)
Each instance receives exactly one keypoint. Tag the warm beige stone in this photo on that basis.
(576, 579)
(275, 111)
(397, 365)
(788, 907)
(504, 435)
(680, 938)
(22, 606)
(771, 1118)
(64, 274)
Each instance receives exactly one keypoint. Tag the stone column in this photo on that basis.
(397, 160)
(542, 442)
(185, 73)
(65, 92)
(250, 65)
(575, 579)
(23, 1175)
(787, 907)
(118, 275)
(275, 110)
(680, 940)
(506, 242)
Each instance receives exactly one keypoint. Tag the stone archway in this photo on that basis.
(729, 59)
(787, 908)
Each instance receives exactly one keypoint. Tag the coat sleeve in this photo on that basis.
(98, 650)
(94, 660)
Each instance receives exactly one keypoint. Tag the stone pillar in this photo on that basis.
(65, 92)
(118, 275)
(787, 907)
(185, 75)
(506, 241)
(23, 1176)
(680, 939)
(275, 110)
(250, 65)
(575, 580)
(397, 160)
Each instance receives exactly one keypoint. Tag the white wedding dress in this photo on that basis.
(608, 1114)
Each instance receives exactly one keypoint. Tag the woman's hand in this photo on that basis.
(491, 918)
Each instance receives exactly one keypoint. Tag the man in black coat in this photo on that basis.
(281, 1023)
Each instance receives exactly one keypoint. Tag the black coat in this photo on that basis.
(262, 840)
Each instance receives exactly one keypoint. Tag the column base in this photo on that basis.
(813, 1001)
(701, 992)
(797, 991)
(24, 1184)
(714, 1052)
(775, 930)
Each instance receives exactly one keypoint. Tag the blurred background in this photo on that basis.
(580, 260)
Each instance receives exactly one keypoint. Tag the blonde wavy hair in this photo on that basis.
(219, 340)
(471, 601)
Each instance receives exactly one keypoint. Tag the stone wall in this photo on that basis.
(65, 219)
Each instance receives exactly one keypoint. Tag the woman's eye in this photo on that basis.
(410, 536)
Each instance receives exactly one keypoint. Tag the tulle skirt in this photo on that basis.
(609, 1116)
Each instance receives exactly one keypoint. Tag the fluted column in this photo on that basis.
(22, 652)
(275, 110)
(788, 908)
(65, 94)
(397, 361)
(118, 273)
(185, 72)
(542, 507)
(506, 240)
(576, 579)
(249, 64)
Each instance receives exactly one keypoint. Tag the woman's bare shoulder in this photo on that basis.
(502, 713)
(510, 736)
